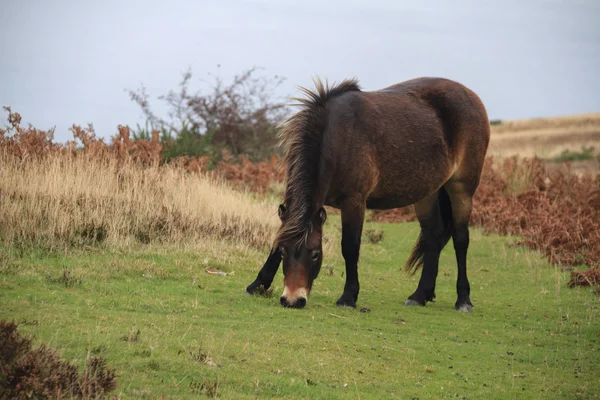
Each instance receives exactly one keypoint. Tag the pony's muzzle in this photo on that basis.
(293, 300)
(300, 302)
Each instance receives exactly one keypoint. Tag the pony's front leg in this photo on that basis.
(352, 223)
(267, 272)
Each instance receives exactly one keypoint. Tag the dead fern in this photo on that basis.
(41, 374)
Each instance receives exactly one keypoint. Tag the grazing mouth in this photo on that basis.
(300, 302)
(297, 299)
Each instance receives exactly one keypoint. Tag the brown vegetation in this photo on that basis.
(590, 277)
(46, 193)
(56, 195)
(41, 374)
(552, 210)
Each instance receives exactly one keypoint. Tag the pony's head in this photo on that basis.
(302, 256)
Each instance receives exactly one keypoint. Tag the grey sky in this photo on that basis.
(65, 62)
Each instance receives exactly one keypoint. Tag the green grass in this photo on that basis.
(529, 336)
(586, 153)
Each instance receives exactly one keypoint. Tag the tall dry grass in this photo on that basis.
(82, 200)
(61, 196)
(548, 138)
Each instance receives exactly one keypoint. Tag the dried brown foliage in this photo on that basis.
(89, 192)
(25, 142)
(41, 374)
(122, 147)
(552, 209)
(590, 277)
(257, 177)
(404, 214)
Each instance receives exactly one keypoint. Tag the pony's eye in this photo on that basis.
(315, 255)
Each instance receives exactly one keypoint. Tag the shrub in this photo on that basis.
(41, 374)
(240, 117)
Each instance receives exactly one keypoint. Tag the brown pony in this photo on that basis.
(420, 142)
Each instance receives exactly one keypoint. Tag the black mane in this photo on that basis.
(302, 136)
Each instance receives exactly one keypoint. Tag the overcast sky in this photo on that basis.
(65, 62)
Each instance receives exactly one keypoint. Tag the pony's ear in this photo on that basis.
(282, 210)
(322, 215)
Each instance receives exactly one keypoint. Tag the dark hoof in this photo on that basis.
(342, 302)
(411, 302)
(256, 286)
(465, 307)
(251, 288)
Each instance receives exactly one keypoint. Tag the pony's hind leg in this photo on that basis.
(434, 216)
(461, 198)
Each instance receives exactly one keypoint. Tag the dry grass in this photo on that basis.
(117, 194)
(572, 122)
(77, 200)
(547, 137)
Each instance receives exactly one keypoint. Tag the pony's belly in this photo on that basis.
(389, 202)
(395, 197)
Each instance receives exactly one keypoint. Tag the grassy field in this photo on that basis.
(170, 328)
(551, 138)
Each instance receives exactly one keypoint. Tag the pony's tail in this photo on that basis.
(444, 209)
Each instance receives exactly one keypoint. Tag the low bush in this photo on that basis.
(40, 373)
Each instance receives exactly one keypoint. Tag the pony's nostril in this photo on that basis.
(283, 301)
(300, 302)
